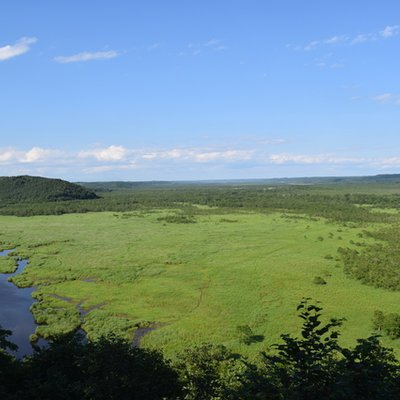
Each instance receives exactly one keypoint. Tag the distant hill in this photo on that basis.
(33, 189)
(329, 180)
(109, 186)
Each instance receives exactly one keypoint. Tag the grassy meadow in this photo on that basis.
(193, 282)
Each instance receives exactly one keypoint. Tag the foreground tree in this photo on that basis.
(116, 370)
(110, 368)
(312, 366)
(211, 372)
(369, 371)
(305, 367)
(315, 366)
(9, 368)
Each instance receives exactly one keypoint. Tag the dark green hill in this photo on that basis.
(33, 189)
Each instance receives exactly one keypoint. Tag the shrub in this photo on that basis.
(389, 324)
(245, 334)
(178, 219)
(319, 281)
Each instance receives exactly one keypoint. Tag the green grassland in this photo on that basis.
(194, 282)
(7, 265)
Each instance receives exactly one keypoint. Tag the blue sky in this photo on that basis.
(176, 90)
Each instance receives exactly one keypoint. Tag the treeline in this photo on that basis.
(342, 207)
(376, 264)
(309, 367)
(117, 203)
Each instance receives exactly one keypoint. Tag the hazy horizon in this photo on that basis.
(216, 180)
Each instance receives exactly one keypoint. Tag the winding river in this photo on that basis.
(15, 312)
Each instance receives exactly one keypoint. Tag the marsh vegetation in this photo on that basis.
(199, 261)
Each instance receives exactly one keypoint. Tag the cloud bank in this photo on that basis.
(100, 162)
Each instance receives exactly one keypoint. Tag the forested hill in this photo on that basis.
(22, 189)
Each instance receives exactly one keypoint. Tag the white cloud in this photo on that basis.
(154, 46)
(383, 98)
(329, 159)
(336, 39)
(327, 63)
(312, 45)
(387, 32)
(111, 153)
(199, 155)
(37, 154)
(212, 42)
(107, 168)
(102, 162)
(390, 31)
(228, 155)
(7, 155)
(390, 161)
(337, 65)
(34, 155)
(387, 98)
(220, 48)
(275, 141)
(20, 47)
(284, 158)
(212, 45)
(362, 38)
(87, 56)
(272, 141)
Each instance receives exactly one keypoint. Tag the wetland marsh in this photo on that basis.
(122, 272)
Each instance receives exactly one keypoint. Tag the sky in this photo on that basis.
(101, 90)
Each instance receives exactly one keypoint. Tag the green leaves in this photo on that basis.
(4, 343)
(313, 366)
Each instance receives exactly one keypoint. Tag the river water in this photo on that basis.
(15, 312)
(14, 309)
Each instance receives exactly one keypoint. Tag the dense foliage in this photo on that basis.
(387, 323)
(376, 264)
(32, 189)
(310, 367)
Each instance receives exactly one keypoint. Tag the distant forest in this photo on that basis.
(339, 199)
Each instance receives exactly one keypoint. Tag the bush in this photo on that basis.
(319, 281)
(178, 219)
(389, 324)
(245, 334)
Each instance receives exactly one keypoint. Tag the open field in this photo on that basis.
(195, 282)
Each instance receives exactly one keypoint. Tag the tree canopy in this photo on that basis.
(312, 366)
(33, 189)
